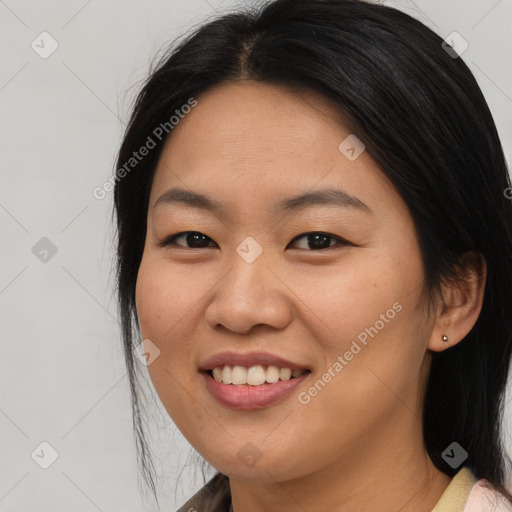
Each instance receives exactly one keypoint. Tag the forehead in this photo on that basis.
(249, 140)
(263, 113)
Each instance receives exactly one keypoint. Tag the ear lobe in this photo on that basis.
(461, 302)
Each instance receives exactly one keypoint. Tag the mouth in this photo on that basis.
(252, 387)
(251, 380)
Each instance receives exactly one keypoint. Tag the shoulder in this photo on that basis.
(484, 498)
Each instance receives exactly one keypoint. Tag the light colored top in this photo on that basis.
(466, 494)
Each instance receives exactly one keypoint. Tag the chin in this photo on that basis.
(249, 465)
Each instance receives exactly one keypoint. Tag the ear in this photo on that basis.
(461, 302)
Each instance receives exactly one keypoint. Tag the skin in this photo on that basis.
(357, 445)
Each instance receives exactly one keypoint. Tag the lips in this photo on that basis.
(249, 359)
(246, 396)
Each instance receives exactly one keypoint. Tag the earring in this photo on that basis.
(445, 338)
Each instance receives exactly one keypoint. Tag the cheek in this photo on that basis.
(163, 310)
(365, 289)
(154, 301)
(164, 299)
(368, 314)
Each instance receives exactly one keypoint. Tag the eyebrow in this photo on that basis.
(324, 197)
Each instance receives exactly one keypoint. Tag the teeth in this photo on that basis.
(254, 375)
(239, 375)
(217, 374)
(226, 375)
(272, 375)
(285, 374)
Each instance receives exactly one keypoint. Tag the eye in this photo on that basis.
(196, 239)
(315, 240)
(318, 240)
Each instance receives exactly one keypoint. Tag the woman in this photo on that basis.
(315, 246)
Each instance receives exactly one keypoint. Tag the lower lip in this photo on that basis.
(244, 396)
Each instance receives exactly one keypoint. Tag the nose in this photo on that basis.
(248, 295)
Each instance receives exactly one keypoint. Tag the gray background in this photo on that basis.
(62, 372)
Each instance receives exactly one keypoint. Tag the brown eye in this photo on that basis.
(318, 240)
(195, 239)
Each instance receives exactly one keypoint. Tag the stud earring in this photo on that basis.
(445, 338)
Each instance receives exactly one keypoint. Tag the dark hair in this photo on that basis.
(423, 119)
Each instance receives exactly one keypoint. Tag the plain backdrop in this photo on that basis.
(62, 372)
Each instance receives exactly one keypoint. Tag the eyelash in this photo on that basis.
(169, 241)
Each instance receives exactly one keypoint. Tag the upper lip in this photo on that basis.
(248, 359)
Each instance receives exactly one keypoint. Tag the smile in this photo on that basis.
(254, 375)
(251, 380)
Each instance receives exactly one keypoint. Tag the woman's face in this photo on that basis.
(345, 307)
